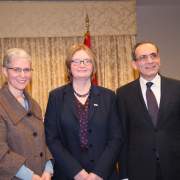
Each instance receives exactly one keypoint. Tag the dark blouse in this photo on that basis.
(82, 112)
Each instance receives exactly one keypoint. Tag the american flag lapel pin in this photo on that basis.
(95, 105)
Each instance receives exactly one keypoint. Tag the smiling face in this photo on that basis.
(147, 61)
(18, 74)
(81, 65)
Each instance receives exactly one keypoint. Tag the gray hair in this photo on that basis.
(15, 53)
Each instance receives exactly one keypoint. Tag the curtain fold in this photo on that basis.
(113, 56)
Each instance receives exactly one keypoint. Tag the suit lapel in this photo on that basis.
(163, 102)
(14, 109)
(94, 101)
(69, 101)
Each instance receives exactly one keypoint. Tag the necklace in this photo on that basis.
(81, 95)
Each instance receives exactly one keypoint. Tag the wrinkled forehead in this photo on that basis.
(20, 61)
(81, 53)
(144, 49)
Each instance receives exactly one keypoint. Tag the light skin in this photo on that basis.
(148, 69)
(81, 79)
(81, 74)
(17, 81)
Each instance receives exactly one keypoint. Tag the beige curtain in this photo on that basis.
(113, 55)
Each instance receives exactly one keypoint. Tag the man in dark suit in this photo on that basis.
(149, 108)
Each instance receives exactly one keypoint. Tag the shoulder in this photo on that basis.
(102, 90)
(59, 90)
(128, 87)
(170, 81)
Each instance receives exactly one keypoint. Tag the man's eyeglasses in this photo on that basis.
(19, 70)
(153, 56)
(77, 62)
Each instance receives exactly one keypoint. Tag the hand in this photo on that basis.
(46, 176)
(36, 177)
(82, 175)
(93, 176)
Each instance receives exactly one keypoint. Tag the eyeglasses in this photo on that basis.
(77, 62)
(19, 70)
(153, 56)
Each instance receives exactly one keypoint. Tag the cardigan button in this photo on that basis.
(34, 134)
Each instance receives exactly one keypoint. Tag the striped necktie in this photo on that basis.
(151, 103)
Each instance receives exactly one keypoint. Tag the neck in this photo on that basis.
(81, 87)
(147, 78)
(16, 92)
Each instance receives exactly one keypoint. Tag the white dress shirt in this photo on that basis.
(156, 88)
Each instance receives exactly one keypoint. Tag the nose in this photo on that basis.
(149, 59)
(22, 73)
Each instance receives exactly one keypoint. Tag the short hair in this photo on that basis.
(72, 50)
(139, 44)
(12, 53)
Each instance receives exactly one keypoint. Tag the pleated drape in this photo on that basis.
(113, 56)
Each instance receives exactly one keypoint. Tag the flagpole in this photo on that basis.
(87, 23)
(87, 42)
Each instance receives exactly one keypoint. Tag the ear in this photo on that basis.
(134, 65)
(4, 71)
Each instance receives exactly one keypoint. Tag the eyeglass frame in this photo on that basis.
(144, 58)
(77, 62)
(20, 70)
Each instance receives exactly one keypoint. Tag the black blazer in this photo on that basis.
(144, 140)
(62, 133)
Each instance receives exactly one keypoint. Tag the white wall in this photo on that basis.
(161, 24)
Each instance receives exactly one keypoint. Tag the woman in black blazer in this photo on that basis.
(82, 129)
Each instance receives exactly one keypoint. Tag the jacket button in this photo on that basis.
(90, 130)
(155, 130)
(29, 114)
(90, 145)
(34, 134)
(41, 154)
(92, 160)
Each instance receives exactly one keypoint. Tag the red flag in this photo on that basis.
(87, 39)
(87, 42)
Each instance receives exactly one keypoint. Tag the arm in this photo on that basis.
(54, 141)
(109, 157)
(26, 174)
(10, 162)
(123, 118)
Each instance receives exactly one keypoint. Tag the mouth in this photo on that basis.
(22, 81)
(151, 67)
(82, 70)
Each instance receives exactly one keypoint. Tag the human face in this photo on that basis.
(81, 65)
(147, 61)
(18, 74)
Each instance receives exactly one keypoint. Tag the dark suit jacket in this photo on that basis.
(62, 133)
(143, 139)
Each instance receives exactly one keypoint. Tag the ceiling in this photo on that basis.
(139, 2)
(158, 2)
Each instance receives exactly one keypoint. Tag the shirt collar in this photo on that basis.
(156, 81)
